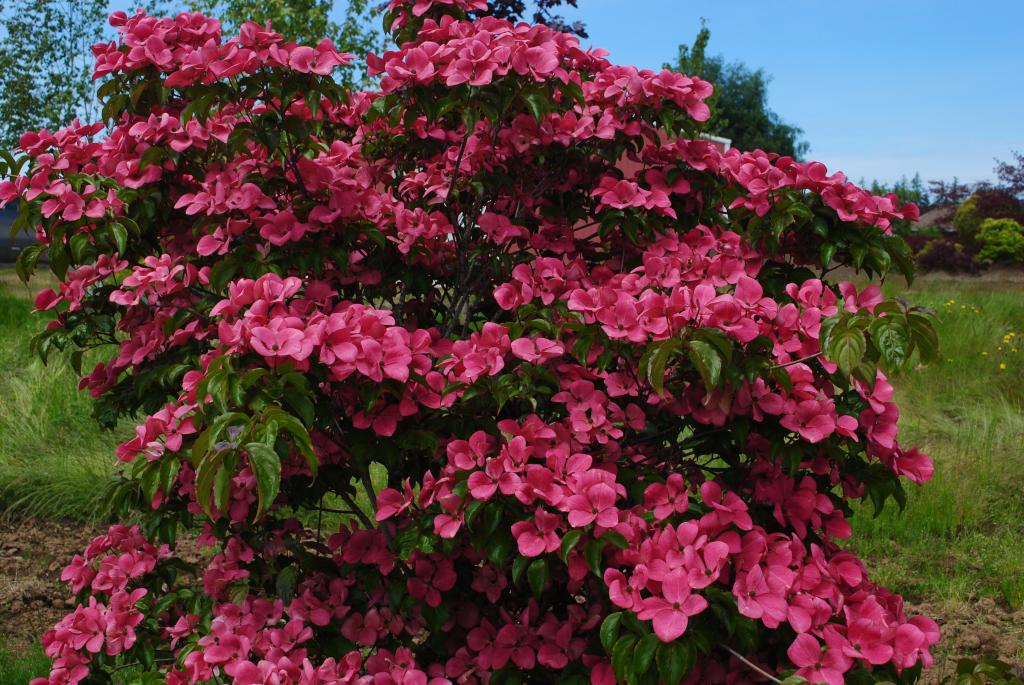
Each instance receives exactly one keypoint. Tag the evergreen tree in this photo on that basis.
(739, 105)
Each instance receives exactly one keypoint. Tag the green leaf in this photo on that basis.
(643, 654)
(537, 575)
(27, 260)
(655, 360)
(151, 156)
(675, 661)
(891, 336)
(208, 437)
(169, 468)
(845, 346)
(569, 542)
(499, 552)
(519, 565)
(609, 631)
(205, 473)
(59, 259)
(266, 467)
(537, 103)
(622, 656)
(286, 581)
(79, 244)
(150, 480)
(593, 552)
(828, 251)
(238, 593)
(300, 436)
(615, 538)
(120, 234)
(222, 484)
(707, 361)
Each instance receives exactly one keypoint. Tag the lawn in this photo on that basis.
(957, 543)
(20, 669)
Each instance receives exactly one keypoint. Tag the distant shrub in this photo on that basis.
(947, 255)
(985, 204)
(967, 220)
(919, 241)
(1002, 240)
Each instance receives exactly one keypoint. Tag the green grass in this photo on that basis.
(19, 669)
(960, 534)
(54, 459)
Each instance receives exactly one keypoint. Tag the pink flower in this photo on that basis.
(537, 535)
(283, 342)
(596, 504)
(815, 665)
(671, 612)
(761, 597)
(537, 350)
(812, 419)
(667, 498)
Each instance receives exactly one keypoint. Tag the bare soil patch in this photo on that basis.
(977, 628)
(32, 555)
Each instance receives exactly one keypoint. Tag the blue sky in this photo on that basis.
(881, 88)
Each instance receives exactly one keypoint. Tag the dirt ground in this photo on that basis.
(32, 599)
(32, 555)
(977, 628)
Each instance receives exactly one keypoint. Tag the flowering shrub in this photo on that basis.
(620, 413)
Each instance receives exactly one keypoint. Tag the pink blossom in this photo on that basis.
(670, 613)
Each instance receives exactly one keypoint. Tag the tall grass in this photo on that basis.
(54, 459)
(961, 533)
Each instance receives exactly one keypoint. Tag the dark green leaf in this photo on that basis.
(266, 467)
(643, 655)
(569, 542)
(675, 661)
(286, 581)
(537, 575)
(891, 336)
(707, 361)
(845, 346)
(622, 656)
(609, 631)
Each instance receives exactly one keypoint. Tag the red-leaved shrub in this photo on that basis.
(447, 396)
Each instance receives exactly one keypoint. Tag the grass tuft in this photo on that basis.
(54, 459)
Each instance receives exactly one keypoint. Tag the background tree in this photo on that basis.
(306, 22)
(739, 104)
(949, 192)
(46, 63)
(907, 190)
(516, 10)
(1011, 175)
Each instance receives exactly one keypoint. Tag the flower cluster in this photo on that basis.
(500, 373)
